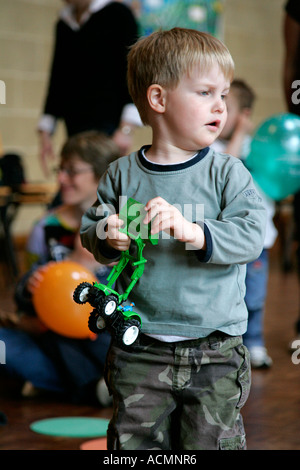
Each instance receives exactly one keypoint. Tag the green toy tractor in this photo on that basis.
(109, 312)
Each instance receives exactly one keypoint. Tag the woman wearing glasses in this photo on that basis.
(43, 359)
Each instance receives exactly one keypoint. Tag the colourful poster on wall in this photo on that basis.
(204, 15)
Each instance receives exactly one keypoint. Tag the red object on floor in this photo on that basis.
(95, 444)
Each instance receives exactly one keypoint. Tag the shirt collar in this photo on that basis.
(68, 17)
(174, 166)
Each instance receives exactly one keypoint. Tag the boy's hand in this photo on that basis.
(165, 217)
(116, 239)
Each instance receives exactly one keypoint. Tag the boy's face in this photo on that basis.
(233, 113)
(195, 112)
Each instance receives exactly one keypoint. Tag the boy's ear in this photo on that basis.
(156, 98)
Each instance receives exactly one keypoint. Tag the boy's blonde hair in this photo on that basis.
(165, 56)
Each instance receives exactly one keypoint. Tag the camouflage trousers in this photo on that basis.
(178, 396)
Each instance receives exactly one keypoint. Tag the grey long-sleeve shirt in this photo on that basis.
(184, 291)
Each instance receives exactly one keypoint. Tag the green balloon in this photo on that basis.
(274, 158)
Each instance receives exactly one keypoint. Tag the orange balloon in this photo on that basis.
(53, 299)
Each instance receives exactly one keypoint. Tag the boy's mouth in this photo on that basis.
(214, 125)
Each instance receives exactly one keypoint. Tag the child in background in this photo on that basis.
(43, 359)
(183, 385)
(235, 139)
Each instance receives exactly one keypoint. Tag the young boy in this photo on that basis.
(235, 139)
(183, 385)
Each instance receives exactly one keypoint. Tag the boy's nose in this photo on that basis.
(220, 105)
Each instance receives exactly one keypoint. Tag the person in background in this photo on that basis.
(42, 359)
(87, 84)
(235, 140)
(291, 77)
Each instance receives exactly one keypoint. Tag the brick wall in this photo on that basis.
(252, 31)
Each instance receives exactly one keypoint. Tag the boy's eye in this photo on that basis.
(204, 93)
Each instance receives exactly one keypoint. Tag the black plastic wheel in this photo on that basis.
(96, 323)
(108, 305)
(130, 331)
(95, 296)
(81, 293)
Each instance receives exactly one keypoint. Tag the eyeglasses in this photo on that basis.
(72, 172)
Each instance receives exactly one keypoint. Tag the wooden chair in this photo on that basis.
(36, 193)
(10, 202)
(6, 217)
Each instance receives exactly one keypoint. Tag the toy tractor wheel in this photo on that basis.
(130, 331)
(109, 305)
(95, 296)
(81, 293)
(96, 323)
